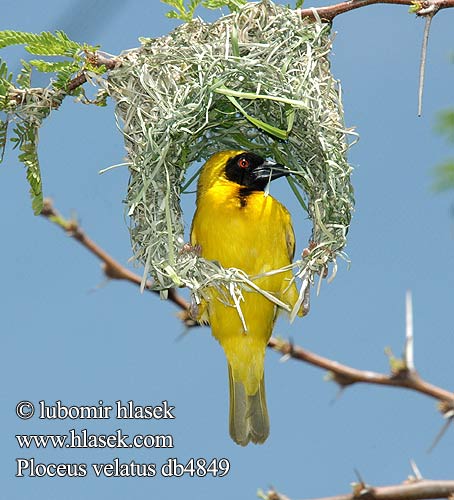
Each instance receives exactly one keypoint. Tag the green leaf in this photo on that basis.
(30, 112)
(270, 129)
(299, 4)
(186, 13)
(415, 7)
(444, 173)
(444, 176)
(65, 70)
(3, 136)
(4, 73)
(290, 115)
(99, 70)
(445, 124)
(296, 192)
(29, 157)
(50, 67)
(190, 180)
(24, 77)
(9, 37)
(235, 43)
(26, 138)
(20, 131)
(65, 75)
(249, 95)
(177, 4)
(182, 12)
(232, 5)
(5, 82)
(45, 43)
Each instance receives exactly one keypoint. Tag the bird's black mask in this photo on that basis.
(252, 171)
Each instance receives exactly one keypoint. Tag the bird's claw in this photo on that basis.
(188, 248)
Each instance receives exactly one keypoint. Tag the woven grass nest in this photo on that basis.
(258, 79)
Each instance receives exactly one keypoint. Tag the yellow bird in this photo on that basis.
(238, 226)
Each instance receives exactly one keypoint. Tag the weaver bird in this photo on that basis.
(238, 226)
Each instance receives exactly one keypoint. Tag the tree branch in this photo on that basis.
(112, 268)
(329, 12)
(96, 60)
(410, 490)
(345, 375)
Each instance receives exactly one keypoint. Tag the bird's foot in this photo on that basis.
(188, 248)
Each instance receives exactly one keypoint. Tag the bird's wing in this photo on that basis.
(289, 236)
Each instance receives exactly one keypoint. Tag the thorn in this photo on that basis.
(358, 476)
(338, 395)
(409, 339)
(99, 286)
(182, 335)
(284, 358)
(422, 66)
(416, 472)
(359, 489)
(442, 431)
(319, 285)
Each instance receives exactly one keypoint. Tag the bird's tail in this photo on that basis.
(248, 413)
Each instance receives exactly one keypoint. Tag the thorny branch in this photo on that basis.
(422, 8)
(402, 372)
(414, 489)
(112, 268)
(96, 60)
(345, 375)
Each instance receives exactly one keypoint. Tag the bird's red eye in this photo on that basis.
(243, 163)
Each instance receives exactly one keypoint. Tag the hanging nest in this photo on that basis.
(257, 80)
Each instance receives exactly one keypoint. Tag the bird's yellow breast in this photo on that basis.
(247, 230)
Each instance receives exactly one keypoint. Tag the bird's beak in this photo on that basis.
(268, 171)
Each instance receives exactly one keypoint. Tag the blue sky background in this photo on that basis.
(66, 334)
